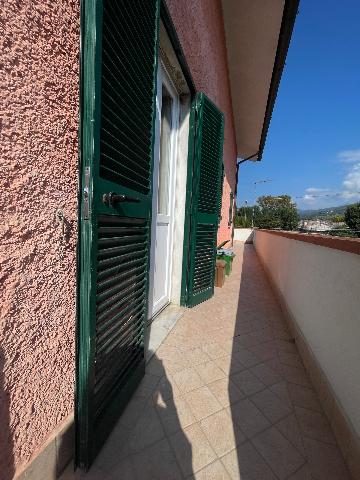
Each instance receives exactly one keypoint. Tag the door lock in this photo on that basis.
(111, 199)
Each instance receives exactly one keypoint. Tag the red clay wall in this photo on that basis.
(39, 98)
(199, 25)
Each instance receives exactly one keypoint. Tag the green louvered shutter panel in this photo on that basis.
(221, 192)
(208, 135)
(119, 65)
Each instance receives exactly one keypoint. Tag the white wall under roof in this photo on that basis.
(252, 30)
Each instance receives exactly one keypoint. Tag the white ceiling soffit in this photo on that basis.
(252, 29)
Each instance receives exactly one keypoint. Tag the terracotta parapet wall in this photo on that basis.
(351, 245)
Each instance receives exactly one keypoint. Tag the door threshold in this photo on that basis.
(159, 328)
(157, 313)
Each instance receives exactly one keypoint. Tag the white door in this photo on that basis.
(167, 119)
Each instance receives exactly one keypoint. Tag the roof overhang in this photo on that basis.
(258, 34)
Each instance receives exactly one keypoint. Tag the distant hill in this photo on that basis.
(322, 212)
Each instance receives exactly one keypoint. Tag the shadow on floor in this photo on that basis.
(225, 397)
(148, 442)
(6, 441)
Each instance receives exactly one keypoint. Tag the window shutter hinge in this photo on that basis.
(86, 193)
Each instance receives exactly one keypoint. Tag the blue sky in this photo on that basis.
(313, 145)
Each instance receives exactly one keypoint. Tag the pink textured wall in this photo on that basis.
(199, 25)
(39, 121)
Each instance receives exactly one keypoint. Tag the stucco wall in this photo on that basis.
(39, 99)
(321, 288)
(199, 25)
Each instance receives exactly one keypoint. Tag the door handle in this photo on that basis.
(112, 198)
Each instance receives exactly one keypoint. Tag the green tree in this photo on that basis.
(337, 218)
(352, 217)
(243, 217)
(276, 213)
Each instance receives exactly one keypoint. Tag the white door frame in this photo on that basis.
(163, 78)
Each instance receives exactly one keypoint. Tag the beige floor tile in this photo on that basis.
(245, 356)
(282, 334)
(289, 427)
(132, 411)
(249, 418)
(147, 431)
(93, 474)
(284, 346)
(209, 372)
(325, 461)
(222, 432)
(147, 385)
(187, 380)
(353, 457)
(246, 463)
(166, 388)
(171, 366)
(228, 345)
(295, 375)
(214, 350)
(248, 340)
(214, 471)
(202, 402)
(271, 405)
(196, 357)
(264, 351)
(266, 374)
(123, 470)
(302, 474)
(175, 414)
(229, 365)
(292, 359)
(247, 382)
(283, 458)
(275, 365)
(155, 367)
(304, 397)
(158, 462)
(263, 364)
(115, 448)
(226, 392)
(224, 334)
(166, 351)
(281, 390)
(192, 450)
(314, 425)
(263, 335)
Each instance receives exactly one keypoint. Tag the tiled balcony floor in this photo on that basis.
(224, 397)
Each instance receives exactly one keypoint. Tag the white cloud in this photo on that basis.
(352, 179)
(316, 190)
(309, 200)
(349, 189)
(349, 156)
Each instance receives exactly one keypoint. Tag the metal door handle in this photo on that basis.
(112, 198)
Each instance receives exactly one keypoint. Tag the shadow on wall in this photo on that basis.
(6, 442)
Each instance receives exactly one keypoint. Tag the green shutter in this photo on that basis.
(119, 64)
(221, 191)
(204, 182)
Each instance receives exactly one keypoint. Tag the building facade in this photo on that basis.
(115, 111)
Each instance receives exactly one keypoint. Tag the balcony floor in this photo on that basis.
(225, 397)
